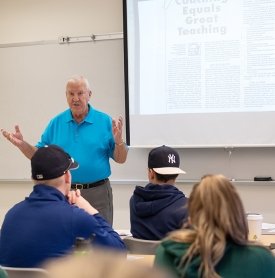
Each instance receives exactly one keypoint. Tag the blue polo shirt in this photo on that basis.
(90, 143)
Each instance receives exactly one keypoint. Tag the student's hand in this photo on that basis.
(73, 195)
(15, 138)
(75, 198)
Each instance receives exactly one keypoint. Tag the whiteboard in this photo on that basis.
(32, 89)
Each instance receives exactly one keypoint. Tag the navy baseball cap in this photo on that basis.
(51, 162)
(165, 161)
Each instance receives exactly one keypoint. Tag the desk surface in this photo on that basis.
(267, 239)
(147, 259)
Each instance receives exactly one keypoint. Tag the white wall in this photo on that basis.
(34, 20)
(256, 197)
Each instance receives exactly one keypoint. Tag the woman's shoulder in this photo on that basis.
(248, 248)
(261, 251)
(255, 261)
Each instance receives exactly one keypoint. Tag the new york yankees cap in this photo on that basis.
(51, 162)
(165, 161)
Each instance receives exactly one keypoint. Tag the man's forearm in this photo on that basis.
(120, 152)
(27, 149)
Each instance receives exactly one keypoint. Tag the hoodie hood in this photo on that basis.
(156, 210)
(151, 199)
(175, 251)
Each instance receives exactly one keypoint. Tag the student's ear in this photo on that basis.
(68, 177)
(151, 174)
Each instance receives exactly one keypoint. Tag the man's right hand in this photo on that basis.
(15, 138)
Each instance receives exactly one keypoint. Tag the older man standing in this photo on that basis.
(90, 136)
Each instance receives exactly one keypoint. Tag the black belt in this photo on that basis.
(88, 185)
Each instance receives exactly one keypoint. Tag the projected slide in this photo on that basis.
(202, 64)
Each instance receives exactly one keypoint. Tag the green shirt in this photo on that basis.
(237, 262)
(3, 273)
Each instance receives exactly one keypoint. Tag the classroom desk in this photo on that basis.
(149, 259)
(267, 239)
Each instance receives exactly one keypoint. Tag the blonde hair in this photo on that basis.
(217, 214)
(98, 263)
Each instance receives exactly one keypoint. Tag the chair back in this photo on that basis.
(20, 272)
(140, 246)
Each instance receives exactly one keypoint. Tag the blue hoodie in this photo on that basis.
(156, 210)
(45, 226)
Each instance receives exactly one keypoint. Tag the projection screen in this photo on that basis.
(200, 73)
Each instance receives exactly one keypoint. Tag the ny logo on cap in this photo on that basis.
(171, 158)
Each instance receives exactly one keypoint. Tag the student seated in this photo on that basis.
(46, 224)
(159, 207)
(216, 244)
